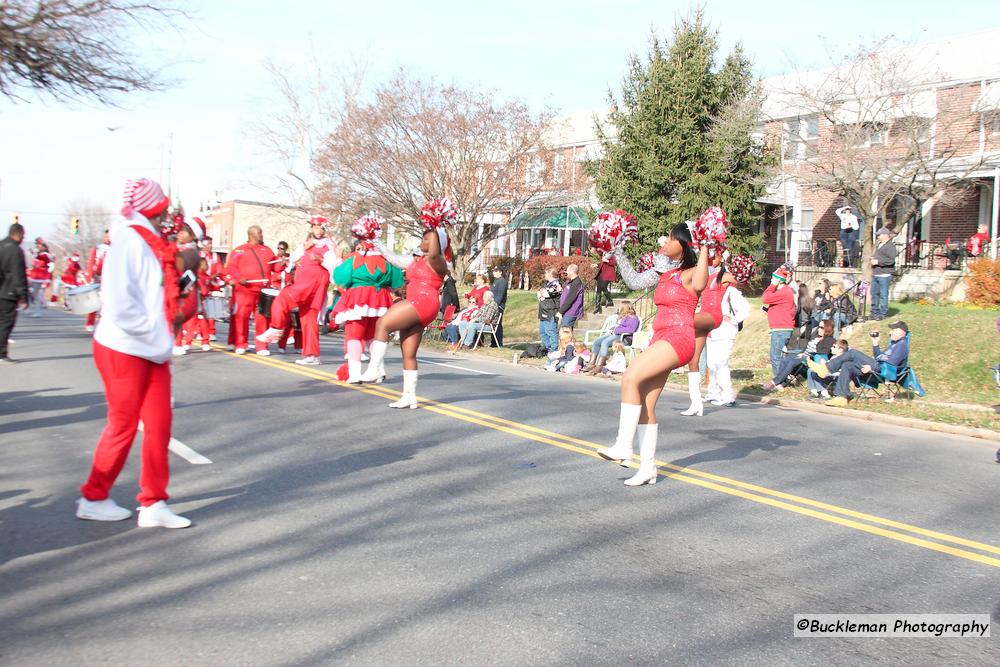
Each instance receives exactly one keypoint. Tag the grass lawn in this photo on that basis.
(952, 349)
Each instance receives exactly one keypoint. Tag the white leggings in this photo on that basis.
(717, 353)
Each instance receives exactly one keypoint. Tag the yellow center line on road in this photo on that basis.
(745, 490)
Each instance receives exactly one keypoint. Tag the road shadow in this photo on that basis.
(734, 447)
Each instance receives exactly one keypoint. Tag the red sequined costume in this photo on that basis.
(711, 297)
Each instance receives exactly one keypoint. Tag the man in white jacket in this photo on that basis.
(132, 348)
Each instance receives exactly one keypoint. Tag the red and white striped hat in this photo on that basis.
(198, 227)
(145, 197)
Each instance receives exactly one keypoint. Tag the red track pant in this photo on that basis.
(246, 305)
(135, 389)
(308, 293)
(196, 325)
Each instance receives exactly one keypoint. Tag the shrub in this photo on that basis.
(983, 282)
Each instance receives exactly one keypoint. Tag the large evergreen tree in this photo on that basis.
(684, 137)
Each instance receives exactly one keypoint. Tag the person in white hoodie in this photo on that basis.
(719, 345)
(132, 349)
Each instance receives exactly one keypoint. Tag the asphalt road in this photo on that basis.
(480, 529)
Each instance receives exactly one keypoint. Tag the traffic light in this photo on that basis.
(74, 225)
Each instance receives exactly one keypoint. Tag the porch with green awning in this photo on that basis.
(555, 225)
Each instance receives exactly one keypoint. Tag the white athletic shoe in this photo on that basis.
(263, 353)
(211, 337)
(101, 510)
(272, 335)
(206, 348)
(241, 350)
(308, 361)
(179, 350)
(230, 348)
(89, 328)
(159, 515)
(281, 350)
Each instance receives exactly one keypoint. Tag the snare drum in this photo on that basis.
(267, 297)
(84, 300)
(216, 308)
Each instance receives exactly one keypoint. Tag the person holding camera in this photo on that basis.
(548, 310)
(883, 264)
(853, 364)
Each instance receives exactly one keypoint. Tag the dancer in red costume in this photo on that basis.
(707, 319)
(132, 347)
(366, 281)
(314, 261)
(95, 263)
(424, 275)
(679, 277)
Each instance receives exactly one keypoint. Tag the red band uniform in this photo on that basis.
(249, 262)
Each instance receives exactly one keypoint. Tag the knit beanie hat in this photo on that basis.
(144, 197)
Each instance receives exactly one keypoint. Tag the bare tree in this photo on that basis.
(312, 100)
(885, 139)
(76, 48)
(415, 140)
(94, 220)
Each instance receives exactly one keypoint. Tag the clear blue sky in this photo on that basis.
(548, 52)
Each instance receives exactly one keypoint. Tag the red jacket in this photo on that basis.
(95, 262)
(250, 262)
(781, 307)
(606, 271)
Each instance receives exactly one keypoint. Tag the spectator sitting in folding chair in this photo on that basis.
(821, 345)
(853, 364)
(485, 319)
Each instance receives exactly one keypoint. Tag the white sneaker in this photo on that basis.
(179, 350)
(101, 510)
(241, 350)
(291, 340)
(89, 328)
(263, 353)
(211, 337)
(230, 348)
(281, 350)
(206, 348)
(365, 357)
(308, 361)
(272, 335)
(159, 515)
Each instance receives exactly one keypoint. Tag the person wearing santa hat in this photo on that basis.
(40, 276)
(132, 347)
(366, 282)
(95, 262)
(314, 261)
(70, 277)
(249, 272)
(779, 303)
(425, 273)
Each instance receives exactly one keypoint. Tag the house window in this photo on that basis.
(993, 122)
(558, 167)
(867, 135)
(810, 127)
(783, 230)
(793, 140)
(533, 172)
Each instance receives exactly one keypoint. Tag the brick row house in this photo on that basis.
(955, 118)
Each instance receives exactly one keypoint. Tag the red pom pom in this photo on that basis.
(368, 227)
(644, 262)
(438, 212)
(742, 267)
(613, 230)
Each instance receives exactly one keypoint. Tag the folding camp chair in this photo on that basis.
(446, 318)
(490, 328)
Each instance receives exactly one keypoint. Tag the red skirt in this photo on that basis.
(358, 303)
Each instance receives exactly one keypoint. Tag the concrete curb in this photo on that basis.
(864, 415)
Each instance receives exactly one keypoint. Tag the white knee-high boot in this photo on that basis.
(694, 390)
(376, 367)
(647, 456)
(353, 371)
(621, 451)
(409, 397)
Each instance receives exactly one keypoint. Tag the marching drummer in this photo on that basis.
(249, 272)
(216, 270)
(95, 264)
(314, 261)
